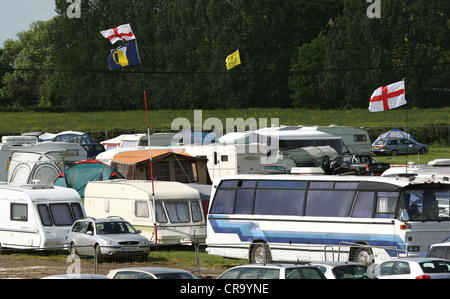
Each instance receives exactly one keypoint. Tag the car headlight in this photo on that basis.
(111, 243)
(144, 242)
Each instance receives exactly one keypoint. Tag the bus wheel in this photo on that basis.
(363, 255)
(260, 254)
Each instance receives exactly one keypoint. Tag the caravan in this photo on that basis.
(37, 216)
(179, 215)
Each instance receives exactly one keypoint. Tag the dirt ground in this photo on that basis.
(26, 267)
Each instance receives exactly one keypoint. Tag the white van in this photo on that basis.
(179, 213)
(37, 216)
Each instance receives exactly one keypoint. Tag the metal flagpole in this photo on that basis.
(406, 129)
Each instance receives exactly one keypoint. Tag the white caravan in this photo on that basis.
(37, 216)
(179, 214)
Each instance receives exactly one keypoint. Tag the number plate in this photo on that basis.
(130, 248)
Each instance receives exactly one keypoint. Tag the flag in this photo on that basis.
(233, 60)
(123, 56)
(123, 33)
(388, 97)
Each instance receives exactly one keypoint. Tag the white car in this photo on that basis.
(342, 270)
(273, 271)
(150, 273)
(107, 237)
(412, 268)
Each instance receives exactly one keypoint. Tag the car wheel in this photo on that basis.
(422, 150)
(73, 249)
(260, 254)
(98, 251)
(394, 153)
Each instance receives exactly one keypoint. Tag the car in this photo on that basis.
(395, 146)
(358, 164)
(150, 273)
(342, 270)
(412, 268)
(73, 137)
(110, 236)
(273, 271)
(440, 250)
(76, 276)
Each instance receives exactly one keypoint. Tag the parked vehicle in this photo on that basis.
(178, 216)
(37, 216)
(150, 273)
(358, 164)
(107, 237)
(440, 250)
(76, 276)
(396, 146)
(273, 271)
(342, 270)
(413, 268)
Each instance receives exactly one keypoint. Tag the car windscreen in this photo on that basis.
(350, 271)
(106, 228)
(435, 266)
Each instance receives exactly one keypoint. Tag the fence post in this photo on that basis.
(197, 256)
(95, 261)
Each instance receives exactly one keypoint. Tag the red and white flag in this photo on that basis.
(123, 33)
(388, 97)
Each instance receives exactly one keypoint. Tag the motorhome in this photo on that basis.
(177, 219)
(37, 216)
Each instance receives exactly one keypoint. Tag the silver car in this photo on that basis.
(273, 271)
(150, 273)
(395, 146)
(107, 237)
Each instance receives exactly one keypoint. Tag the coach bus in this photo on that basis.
(295, 218)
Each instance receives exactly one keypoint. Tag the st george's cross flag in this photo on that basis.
(388, 97)
(123, 33)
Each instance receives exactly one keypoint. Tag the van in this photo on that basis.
(37, 216)
(179, 214)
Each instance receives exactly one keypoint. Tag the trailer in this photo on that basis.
(177, 219)
(37, 216)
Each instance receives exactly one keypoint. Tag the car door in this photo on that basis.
(84, 240)
(394, 270)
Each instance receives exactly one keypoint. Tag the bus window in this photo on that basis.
(223, 202)
(426, 204)
(288, 202)
(329, 203)
(364, 205)
(244, 201)
(386, 203)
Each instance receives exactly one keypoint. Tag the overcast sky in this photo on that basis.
(17, 15)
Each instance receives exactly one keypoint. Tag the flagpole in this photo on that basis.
(151, 161)
(406, 129)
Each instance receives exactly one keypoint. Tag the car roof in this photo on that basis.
(417, 259)
(274, 265)
(109, 219)
(154, 270)
(337, 263)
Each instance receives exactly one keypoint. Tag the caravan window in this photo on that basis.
(160, 214)
(62, 216)
(19, 212)
(44, 213)
(178, 212)
(141, 209)
(196, 212)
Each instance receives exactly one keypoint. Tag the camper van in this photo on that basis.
(37, 216)
(179, 214)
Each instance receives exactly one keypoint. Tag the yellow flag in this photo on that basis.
(233, 60)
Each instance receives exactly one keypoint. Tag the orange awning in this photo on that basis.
(134, 157)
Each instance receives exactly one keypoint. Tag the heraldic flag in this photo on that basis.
(388, 97)
(124, 56)
(123, 33)
(233, 60)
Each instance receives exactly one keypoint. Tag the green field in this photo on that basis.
(103, 125)
(162, 119)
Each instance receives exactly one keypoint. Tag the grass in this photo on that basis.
(163, 119)
(437, 151)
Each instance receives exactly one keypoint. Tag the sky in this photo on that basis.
(17, 15)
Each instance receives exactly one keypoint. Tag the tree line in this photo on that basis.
(326, 54)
